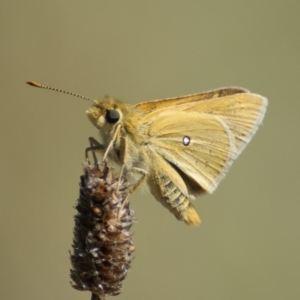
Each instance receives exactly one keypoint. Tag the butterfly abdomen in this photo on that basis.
(178, 203)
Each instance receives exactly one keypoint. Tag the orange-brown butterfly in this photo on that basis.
(182, 146)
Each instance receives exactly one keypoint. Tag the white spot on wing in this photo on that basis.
(186, 140)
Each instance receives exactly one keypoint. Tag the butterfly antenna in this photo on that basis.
(39, 85)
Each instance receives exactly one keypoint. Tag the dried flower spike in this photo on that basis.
(102, 245)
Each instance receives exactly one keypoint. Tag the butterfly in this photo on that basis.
(182, 146)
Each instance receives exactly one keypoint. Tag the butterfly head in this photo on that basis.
(107, 113)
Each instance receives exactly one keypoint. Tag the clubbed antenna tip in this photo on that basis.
(34, 83)
(43, 86)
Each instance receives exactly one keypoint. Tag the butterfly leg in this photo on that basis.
(94, 145)
(120, 176)
(117, 130)
(140, 181)
(122, 156)
(133, 187)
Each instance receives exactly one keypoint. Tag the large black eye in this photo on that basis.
(112, 116)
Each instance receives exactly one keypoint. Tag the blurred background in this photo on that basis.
(248, 244)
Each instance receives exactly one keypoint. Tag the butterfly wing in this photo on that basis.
(149, 106)
(243, 113)
(202, 138)
(200, 145)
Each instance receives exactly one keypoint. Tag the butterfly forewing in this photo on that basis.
(203, 138)
(242, 113)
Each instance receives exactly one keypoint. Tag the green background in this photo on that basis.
(248, 244)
